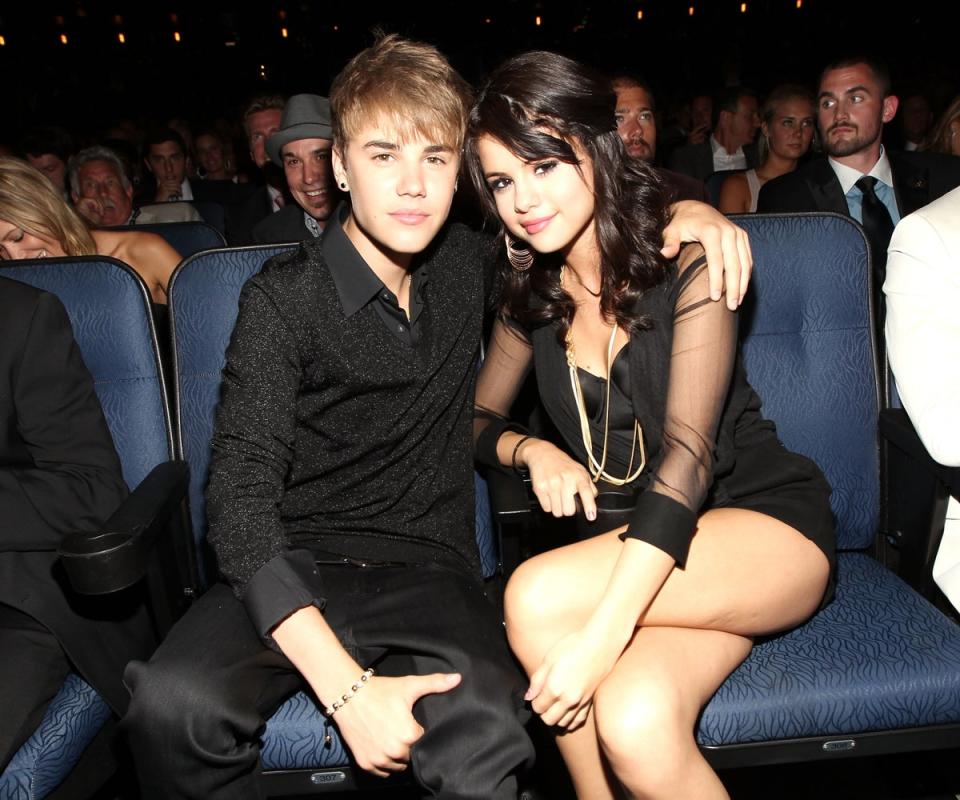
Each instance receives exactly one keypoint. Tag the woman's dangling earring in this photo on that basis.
(520, 258)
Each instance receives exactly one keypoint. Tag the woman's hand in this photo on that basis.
(562, 689)
(729, 261)
(557, 479)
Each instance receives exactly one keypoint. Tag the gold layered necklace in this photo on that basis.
(597, 469)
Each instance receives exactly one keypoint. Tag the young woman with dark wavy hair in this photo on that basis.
(708, 531)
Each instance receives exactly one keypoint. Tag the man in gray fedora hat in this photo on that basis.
(301, 146)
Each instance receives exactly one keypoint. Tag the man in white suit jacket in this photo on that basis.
(923, 345)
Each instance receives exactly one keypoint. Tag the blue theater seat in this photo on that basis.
(878, 670)
(109, 309)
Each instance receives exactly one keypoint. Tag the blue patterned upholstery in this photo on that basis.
(109, 310)
(186, 238)
(879, 657)
(201, 332)
(75, 715)
(294, 738)
(807, 350)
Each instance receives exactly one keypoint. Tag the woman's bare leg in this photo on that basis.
(646, 709)
(746, 574)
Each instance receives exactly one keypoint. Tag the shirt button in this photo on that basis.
(400, 328)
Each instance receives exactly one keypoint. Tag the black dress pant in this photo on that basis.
(200, 704)
(33, 667)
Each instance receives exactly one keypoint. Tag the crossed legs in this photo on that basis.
(746, 574)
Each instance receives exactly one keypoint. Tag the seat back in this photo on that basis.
(186, 238)
(809, 350)
(109, 309)
(203, 294)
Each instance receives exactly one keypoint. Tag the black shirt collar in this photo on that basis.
(356, 283)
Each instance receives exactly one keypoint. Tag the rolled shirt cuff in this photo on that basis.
(285, 584)
(663, 522)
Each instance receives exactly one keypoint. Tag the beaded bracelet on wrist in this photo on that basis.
(336, 705)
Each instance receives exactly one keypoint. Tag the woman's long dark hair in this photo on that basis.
(538, 105)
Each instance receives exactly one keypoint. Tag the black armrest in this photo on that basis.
(510, 495)
(896, 428)
(917, 492)
(115, 557)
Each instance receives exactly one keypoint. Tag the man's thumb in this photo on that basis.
(436, 683)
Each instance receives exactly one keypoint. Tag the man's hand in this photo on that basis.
(378, 723)
(729, 261)
(167, 191)
(698, 135)
(91, 210)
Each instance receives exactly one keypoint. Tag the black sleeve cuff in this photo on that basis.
(485, 447)
(281, 586)
(663, 522)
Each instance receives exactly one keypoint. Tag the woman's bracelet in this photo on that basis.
(336, 705)
(516, 449)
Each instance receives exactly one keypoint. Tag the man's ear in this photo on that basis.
(74, 197)
(128, 190)
(890, 105)
(339, 168)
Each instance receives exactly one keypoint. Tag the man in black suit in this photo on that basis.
(59, 474)
(261, 119)
(301, 146)
(853, 105)
(730, 146)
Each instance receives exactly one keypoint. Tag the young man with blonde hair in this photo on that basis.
(341, 499)
(341, 503)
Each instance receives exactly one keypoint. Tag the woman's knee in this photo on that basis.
(642, 729)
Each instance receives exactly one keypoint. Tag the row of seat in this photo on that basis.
(876, 671)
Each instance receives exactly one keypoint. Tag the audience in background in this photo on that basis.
(945, 135)
(36, 222)
(916, 117)
(730, 146)
(787, 127)
(48, 148)
(103, 194)
(637, 126)
(301, 146)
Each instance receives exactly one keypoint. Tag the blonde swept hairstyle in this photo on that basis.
(404, 85)
(29, 201)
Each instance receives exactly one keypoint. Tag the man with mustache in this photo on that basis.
(103, 195)
(637, 126)
(854, 102)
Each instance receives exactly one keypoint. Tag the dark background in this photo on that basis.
(226, 54)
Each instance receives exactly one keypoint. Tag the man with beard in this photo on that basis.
(853, 104)
(859, 178)
(637, 126)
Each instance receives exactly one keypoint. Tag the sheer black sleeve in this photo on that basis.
(505, 367)
(701, 363)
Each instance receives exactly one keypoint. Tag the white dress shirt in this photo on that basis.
(723, 160)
